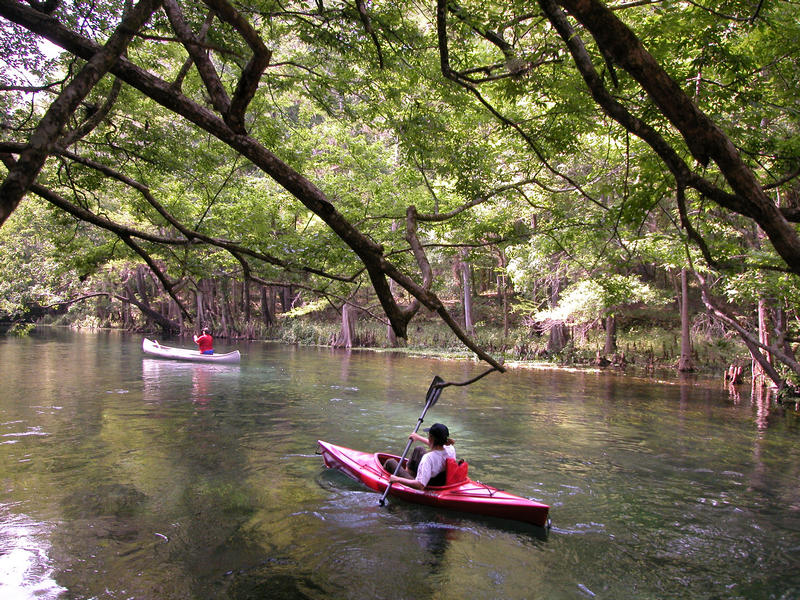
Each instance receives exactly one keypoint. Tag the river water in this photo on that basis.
(128, 477)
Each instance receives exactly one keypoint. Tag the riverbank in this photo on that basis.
(647, 340)
(642, 348)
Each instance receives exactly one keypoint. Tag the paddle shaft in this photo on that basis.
(430, 399)
(403, 456)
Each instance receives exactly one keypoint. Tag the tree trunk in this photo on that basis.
(781, 329)
(286, 298)
(391, 335)
(266, 313)
(246, 300)
(685, 362)
(502, 288)
(466, 287)
(559, 334)
(759, 371)
(201, 317)
(227, 319)
(347, 336)
(610, 347)
(141, 286)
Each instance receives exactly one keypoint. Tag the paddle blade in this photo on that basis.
(434, 391)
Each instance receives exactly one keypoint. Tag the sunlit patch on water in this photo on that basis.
(28, 432)
(25, 567)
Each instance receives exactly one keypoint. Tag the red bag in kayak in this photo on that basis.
(456, 471)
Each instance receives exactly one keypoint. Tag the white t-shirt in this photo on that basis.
(433, 463)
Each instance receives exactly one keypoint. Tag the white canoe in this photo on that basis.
(155, 349)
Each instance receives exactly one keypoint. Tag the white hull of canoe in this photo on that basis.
(155, 349)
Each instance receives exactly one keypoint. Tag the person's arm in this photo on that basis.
(418, 438)
(406, 481)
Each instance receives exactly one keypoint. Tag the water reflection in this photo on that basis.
(160, 376)
(132, 477)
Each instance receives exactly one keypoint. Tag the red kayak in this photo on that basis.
(466, 496)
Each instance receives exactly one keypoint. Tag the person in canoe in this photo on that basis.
(205, 342)
(425, 467)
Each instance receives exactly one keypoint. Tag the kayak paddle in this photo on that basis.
(434, 391)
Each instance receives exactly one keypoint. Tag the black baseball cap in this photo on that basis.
(439, 433)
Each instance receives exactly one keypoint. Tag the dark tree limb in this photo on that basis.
(169, 286)
(754, 345)
(472, 203)
(251, 74)
(190, 236)
(705, 140)
(445, 384)
(200, 39)
(166, 324)
(365, 20)
(46, 7)
(93, 119)
(206, 69)
(690, 230)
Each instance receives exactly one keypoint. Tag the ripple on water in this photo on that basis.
(25, 566)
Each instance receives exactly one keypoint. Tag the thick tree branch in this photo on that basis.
(168, 285)
(200, 39)
(750, 340)
(703, 137)
(251, 74)
(206, 69)
(94, 119)
(365, 20)
(190, 236)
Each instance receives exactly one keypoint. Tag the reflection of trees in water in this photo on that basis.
(162, 504)
(761, 399)
(166, 380)
(775, 485)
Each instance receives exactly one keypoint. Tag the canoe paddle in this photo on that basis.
(434, 391)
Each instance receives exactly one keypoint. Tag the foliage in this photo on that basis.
(34, 274)
(586, 300)
(488, 131)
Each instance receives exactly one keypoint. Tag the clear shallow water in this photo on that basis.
(128, 477)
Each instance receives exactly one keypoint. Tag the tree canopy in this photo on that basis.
(332, 145)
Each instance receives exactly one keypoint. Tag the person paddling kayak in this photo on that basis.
(205, 342)
(425, 467)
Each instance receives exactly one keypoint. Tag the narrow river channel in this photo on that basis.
(123, 476)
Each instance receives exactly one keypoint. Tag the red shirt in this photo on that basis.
(205, 341)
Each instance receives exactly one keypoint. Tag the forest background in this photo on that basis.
(574, 181)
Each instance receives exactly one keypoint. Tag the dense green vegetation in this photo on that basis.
(600, 171)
